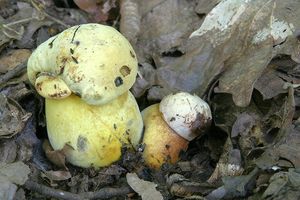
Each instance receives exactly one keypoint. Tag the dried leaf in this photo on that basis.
(57, 157)
(12, 116)
(284, 185)
(98, 9)
(16, 173)
(7, 189)
(56, 175)
(205, 6)
(245, 69)
(235, 187)
(229, 164)
(274, 86)
(11, 174)
(180, 186)
(236, 42)
(130, 20)
(160, 32)
(145, 189)
(13, 58)
(8, 151)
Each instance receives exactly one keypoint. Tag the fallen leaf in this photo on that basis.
(204, 6)
(57, 157)
(235, 186)
(13, 58)
(7, 189)
(274, 86)
(284, 185)
(12, 116)
(99, 10)
(56, 175)
(130, 20)
(12, 175)
(244, 69)
(147, 190)
(181, 187)
(16, 172)
(229, 164)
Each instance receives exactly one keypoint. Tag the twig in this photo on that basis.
(48, 16)
(104, 193)
(22, 21)
(18, 70)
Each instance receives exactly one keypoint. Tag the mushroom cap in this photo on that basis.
(94, 61)
(188, 115)
(95, 133)
(162, 144)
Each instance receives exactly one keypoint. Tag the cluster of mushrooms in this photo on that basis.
(85, 74)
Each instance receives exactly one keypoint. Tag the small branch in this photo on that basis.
(22, 21)
(104, 193)
(17, 71)
(48, 16)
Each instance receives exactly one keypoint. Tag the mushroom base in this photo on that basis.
(95, 133)
(162, 144)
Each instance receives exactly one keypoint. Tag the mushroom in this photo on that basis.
(85, 74)
(91, 60)
(95, 133)
(170, 125)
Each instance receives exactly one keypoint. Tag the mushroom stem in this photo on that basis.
(52, 87)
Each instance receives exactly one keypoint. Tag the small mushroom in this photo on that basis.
(95, 133)
(92, 60)
(85, 74)
(170, 125)
(188, 115)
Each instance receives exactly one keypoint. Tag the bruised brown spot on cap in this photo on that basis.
(118, 81)
(59, 94)
(71, 51)
(125, 70)
(38, 86)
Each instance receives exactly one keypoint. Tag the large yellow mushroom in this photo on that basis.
(85, 73)
(96, 133)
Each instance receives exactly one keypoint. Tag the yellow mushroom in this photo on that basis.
(171, 124)
(95, 133)
(162, 144)
(85, 74)
(91, 60)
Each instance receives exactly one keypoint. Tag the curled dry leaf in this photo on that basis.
(56, 175)
(145, 189)
(57, 157)
(12, 117)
